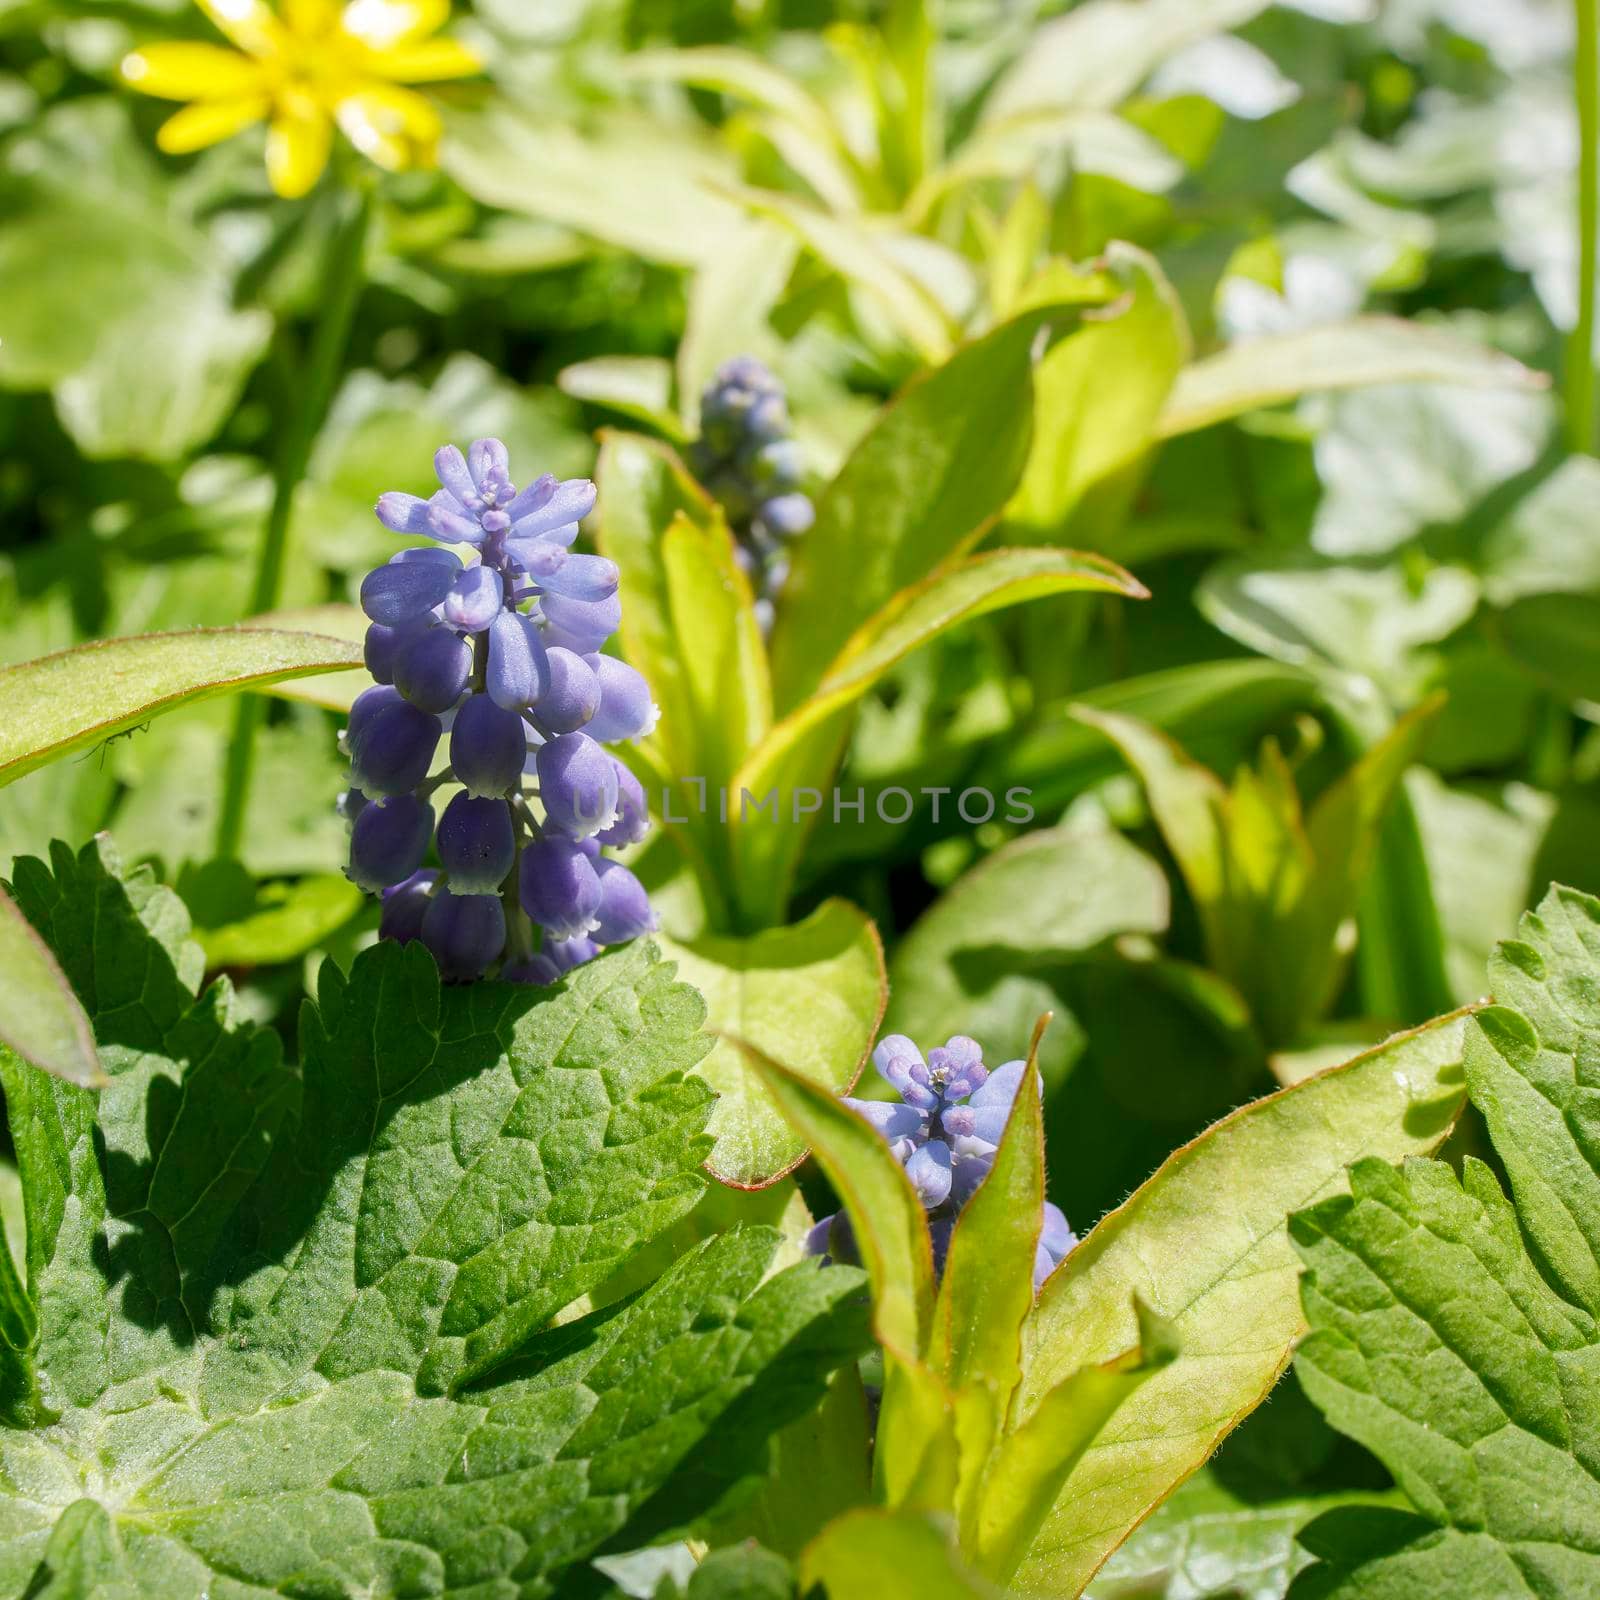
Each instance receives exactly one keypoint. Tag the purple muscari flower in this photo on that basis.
(391, 750)
(633, 815)
(518, 669)
(581, 625)
(577, 784)
(573, 696)
(626, 710)
(475, 599)
(477, 846)
(624, 906)
(944, 1130)
(431, 668)
(558, 887)
(388, 841)
(465, 932)
(747, 460)
(404, 906)
(503, 651)
(487, 747)
(408, 586)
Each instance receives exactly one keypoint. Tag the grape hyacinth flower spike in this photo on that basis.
(745, 457)
(944, 1130)
(491, 636)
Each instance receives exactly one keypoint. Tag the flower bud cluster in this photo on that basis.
(944, 1129)
(747, 459)
(496, 651)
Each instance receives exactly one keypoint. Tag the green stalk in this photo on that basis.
(1580, 379)
(342, 282)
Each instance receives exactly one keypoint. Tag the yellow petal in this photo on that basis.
(190, 72)
(427, 61)
(249, 23)
(209, 122)
(297, 150)
(393, 127)
(310, 19)
(381, 24)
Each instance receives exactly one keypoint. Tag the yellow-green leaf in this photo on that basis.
(40, 1016)
(82, 696)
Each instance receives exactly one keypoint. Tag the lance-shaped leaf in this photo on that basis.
(40, 1017)
(922, 486)
(637, 386)
(79, 697)
(889, 1555)
(1454, 1331)
(810, 997)
(1205, 1244)
(802, 750)
(294, 1327)
(1357, 354)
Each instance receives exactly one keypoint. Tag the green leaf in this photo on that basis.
(116, 302)
(283, 921)
(1554, 637)
(809, 997)
(637, 184)
(40, 1017)
(296, 1323)
(1205, 1243)
(922, 486)
(889, 1555)
(1489, 1421)
(1084, 886)
(334, 691)
(637, 386)
(1361, 353)
(891, 1229)
(1097, 395)
(90, 694)
(803, 749)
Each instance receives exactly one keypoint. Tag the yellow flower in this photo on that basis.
(305, 67)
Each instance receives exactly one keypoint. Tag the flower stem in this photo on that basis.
(342, 281)
(1580, 374)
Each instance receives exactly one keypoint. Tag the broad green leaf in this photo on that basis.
(1098, 54)
(638, 184)
(288, 919)
(643, 487)
(721, 658)
(90, 694)
(1554, 637)
(809, 997)
(889, 1555)
(637, 386)
(334, 691)
(1039, 1454)
(921, 486)
(296, 1323)
(40, 1017)
(116, 301)
(1209, 1539)
(1205, 1244)
(1097, 395)
(1084, 885)
(801, 752)
(866, 258)
(891, 1230)
(1363, 352)
(1489, 1422)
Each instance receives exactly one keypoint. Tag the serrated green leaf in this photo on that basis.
(1361, 353)
(809, 997)
(40, 1017)
(292, 1325)
(1454, 1331)
(89, 694)
(1205, 1242)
